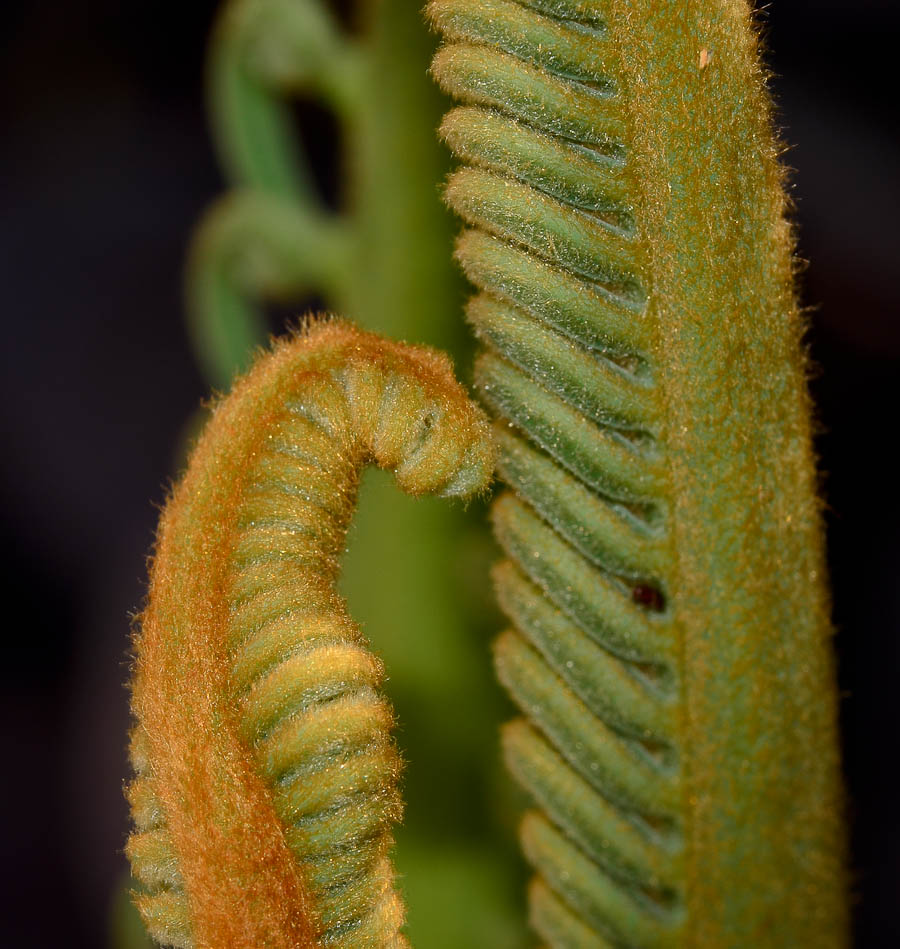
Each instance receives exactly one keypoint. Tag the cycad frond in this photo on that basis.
(665, 578)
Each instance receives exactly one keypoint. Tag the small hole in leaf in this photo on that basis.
(347, 13)
(648, 596)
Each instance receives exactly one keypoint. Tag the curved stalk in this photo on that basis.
(377, 258)
(266, 776)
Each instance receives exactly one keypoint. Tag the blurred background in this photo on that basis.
(106, 164)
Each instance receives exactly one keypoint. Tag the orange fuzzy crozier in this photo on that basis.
(266, 776)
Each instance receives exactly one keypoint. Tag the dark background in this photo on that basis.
(105, 164)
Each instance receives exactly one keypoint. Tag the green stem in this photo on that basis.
(761, 763)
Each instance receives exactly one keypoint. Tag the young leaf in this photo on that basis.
(642, 356)
(266, 776)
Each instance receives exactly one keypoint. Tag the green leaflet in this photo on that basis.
(665, 579)
(383, 253)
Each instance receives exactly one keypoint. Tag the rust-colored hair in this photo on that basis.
(266, 777)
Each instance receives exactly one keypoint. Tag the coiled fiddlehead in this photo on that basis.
(266, 776)
(665, 573)
(274, 237)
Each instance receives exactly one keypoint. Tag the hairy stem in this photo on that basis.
(266, 779)
(643, 359)
(381, 257)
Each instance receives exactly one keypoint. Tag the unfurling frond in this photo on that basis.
(266, 775)
(665, 581)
